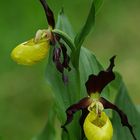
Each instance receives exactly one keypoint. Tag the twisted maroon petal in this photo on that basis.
(123, 116)
(49, 13)
(56, 59)
(61, 60)
(82, 104)
(81, 121)
(96, 83)
(66, 57)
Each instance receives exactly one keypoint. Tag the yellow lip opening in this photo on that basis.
(98, 128)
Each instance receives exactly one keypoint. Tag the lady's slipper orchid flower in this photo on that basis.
(93, 105)
(36, 49)
(60, 56)
(32, 51)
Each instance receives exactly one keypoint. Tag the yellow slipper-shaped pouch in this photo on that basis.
(98, 128)
(30, 52)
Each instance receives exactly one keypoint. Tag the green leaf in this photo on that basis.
(64, 94)
(80, 37)
(48, 132)
(98, 5)
(64, 24)
(65, 37)
(85, 30)
(138, 108)
(124, 102)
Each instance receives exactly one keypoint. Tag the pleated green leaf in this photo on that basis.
(48, 132)
(80, 37)
(124, 102)
(98, 5)
(64, 24)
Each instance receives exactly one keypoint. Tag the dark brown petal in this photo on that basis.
(82, 104)
(49, 13)
(81, 121)
(56, 54)
(61, 60)
(66, 58)
(124, 119)
(96, 83)
(56, 59)
(58, 63)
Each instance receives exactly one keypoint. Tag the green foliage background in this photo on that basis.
(24, 97)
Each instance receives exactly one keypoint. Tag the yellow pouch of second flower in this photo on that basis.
(30, 52)
(98, 127)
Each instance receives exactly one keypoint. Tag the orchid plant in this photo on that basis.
(74, 74)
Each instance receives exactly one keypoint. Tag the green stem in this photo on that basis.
(79, 84)
(65, 37)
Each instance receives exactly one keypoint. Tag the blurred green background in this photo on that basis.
(24, 97)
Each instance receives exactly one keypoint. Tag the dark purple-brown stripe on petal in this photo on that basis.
(49, 13)
(56, 59)
(58, 63)
(66, 58)
(96, 83)
(124, 119)
(81, 121)
(82, 104)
